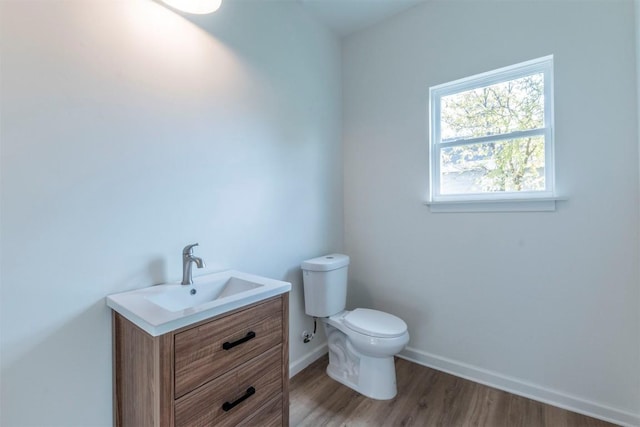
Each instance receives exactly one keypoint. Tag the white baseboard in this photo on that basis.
(296, 366)
(521, 388)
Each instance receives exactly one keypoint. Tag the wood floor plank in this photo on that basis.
(426, 397)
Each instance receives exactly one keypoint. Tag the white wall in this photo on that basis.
(545, 304)
(129, 132)
(637, 25)
(637, 15)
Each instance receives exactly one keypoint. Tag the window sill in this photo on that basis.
(547, 204)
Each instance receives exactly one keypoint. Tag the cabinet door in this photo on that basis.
(226, 401)
(207, 351)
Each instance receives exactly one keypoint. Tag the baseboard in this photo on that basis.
(296, 366)
(521, 388)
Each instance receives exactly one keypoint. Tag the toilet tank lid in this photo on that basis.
(326, 262)
(375, 323)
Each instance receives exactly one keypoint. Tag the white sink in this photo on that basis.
(177, 298)
(163, 308)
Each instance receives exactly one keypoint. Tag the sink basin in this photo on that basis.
(163, 308)
(176, 298)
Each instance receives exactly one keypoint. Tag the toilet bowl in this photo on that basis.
(362, 342)
(361, 355)
(373, 333)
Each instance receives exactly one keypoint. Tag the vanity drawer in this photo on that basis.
(269, 415)
(204, 407)
(199, 353)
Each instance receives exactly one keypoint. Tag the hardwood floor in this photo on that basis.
(426, 397)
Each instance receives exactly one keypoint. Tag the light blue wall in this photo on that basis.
(128, 132)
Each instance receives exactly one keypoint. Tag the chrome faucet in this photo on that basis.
(187, 259)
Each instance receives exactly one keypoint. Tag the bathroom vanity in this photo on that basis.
(212, 353)
(231, 370)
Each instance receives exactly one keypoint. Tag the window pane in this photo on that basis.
(502, 166)
(492, 110)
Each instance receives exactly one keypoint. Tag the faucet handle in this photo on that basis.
(188, 250)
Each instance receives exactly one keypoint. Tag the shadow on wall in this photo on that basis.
(359, 296)
(157, 270)
(155, 273)
(294, 276)
(57, 357)
(298, 323)
(47, 369)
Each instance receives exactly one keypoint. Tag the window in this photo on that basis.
(492, 136)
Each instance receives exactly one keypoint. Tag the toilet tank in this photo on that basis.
(325, 284)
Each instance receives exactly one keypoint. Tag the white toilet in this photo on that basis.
(362, 342)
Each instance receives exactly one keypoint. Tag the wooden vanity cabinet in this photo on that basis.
(231, 370)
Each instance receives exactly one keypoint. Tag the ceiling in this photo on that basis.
(348, 16)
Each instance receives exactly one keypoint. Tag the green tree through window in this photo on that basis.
(491, 133)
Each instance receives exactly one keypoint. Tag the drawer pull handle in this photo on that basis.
(229, 345)
(227, 406)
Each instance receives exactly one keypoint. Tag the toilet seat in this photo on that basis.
(375, 323)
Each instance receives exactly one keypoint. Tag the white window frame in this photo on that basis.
(498, 201)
